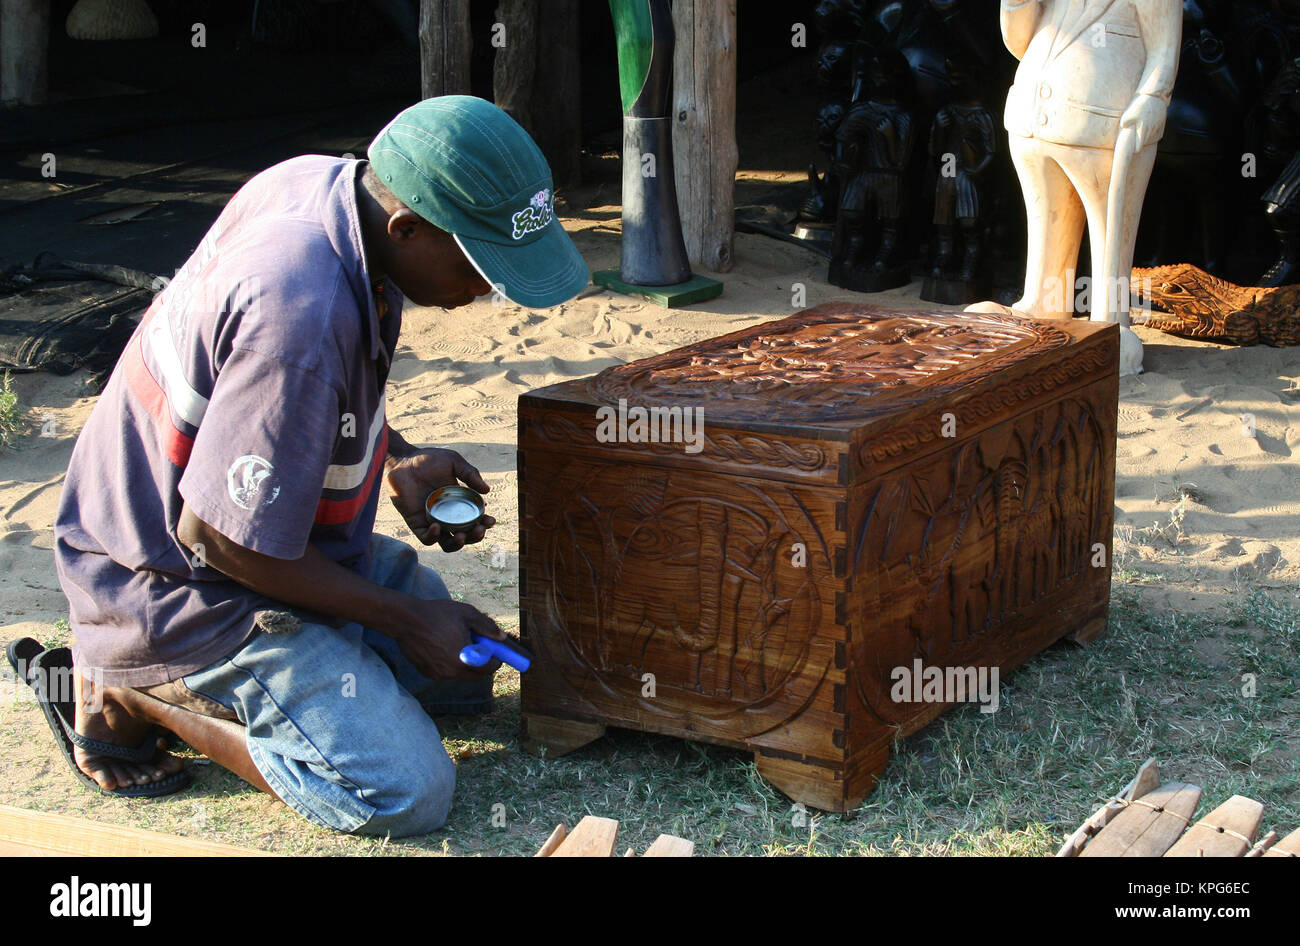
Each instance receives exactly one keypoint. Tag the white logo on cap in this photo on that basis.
(246, 481)
(535, 216)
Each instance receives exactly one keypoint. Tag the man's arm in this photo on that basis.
(398, 447)
(431, 633)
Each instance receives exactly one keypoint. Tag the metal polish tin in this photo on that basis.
(455, 508)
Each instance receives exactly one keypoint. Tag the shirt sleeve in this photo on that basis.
(261, 453)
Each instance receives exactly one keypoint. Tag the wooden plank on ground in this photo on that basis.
(1149, 826)
(9, 849)
(1227, 831)
(1262, 845)
(667, 845)
(593, 837)
(1289, 846)
(59, 834)
(554, 841)
(1146, 780)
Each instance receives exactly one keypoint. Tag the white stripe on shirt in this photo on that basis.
(188, 403)
(352, 475)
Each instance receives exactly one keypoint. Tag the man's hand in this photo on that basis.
(413, 477)
(441, 629)
(430, 633)
(1146, 116)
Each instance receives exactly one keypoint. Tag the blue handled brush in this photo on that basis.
(484, 649)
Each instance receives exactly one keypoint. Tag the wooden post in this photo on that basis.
(704, 128)
(535, 79)
(514, 67)
(444, 47)
(24, 43)
(557, 93)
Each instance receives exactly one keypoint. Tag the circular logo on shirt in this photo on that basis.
(250, 482)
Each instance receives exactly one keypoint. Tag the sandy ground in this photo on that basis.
(1203, 511)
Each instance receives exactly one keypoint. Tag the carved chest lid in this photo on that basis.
(836, 363)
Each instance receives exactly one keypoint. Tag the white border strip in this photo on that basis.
(352, 475)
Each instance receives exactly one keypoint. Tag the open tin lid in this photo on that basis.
(456, 507)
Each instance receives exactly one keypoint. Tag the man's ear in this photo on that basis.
(404, 225)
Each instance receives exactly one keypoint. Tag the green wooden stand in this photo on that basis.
(696, 289)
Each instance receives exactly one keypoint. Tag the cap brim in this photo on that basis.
(537, 275)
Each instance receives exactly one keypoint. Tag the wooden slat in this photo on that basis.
(1289, 846)
(593, 837)
(1146, 780)
(1149, 826)
(667, 845)
(1262, 845)
(59, 834)
(9, 849)
(554, 841)
(1227, 831)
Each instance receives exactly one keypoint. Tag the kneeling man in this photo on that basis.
(215, 536)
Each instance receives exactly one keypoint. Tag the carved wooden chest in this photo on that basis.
(868, 492)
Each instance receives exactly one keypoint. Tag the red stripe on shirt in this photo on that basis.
(332, 512)
(175, 444)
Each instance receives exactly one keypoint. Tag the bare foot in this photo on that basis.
(112, 723)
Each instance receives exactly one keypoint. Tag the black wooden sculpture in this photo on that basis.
(1232, 132)
(962, 146)
(819, 207)
(1282, 210)
(872, 149)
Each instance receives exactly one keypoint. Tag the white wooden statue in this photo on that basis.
(1083, 116)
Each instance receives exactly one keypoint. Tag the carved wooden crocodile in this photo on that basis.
(1198, 305)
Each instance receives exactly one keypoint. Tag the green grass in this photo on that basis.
(60, 634)
(1074, 725)
(10, 415)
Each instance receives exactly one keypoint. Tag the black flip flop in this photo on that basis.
(21, 653)
(36, 666)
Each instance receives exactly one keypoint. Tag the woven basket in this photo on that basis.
(112, 19)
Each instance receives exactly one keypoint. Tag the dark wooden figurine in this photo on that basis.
(864, 489)
(873, 145)
(962, 145)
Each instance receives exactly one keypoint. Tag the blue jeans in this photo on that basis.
(338, 720)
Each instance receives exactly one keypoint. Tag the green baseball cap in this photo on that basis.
(470, 169)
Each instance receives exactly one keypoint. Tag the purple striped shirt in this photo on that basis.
(253, 390)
